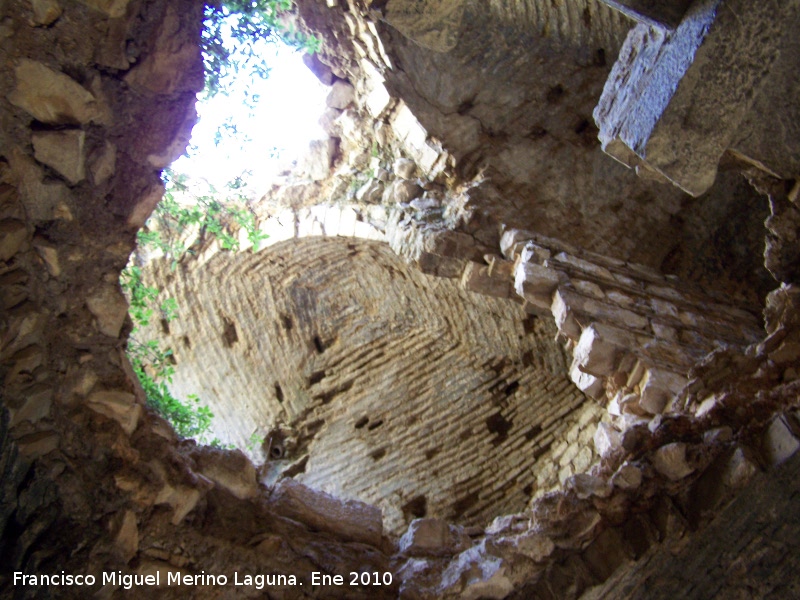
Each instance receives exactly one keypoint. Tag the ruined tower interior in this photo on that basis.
(527, 324)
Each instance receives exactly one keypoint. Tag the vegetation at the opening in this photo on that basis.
(153, 365)
(187, 219)
(231, 31)
(212, 215)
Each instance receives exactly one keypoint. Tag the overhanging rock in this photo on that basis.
(677, 100)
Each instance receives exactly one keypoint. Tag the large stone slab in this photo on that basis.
(62, 151)
(52, 97)
(674, 101)
(350, 519)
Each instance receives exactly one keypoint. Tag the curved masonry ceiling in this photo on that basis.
(377, 382)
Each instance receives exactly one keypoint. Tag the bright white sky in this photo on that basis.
(291, 102)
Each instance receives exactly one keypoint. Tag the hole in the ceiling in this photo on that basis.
(248, 134)
(416, 508)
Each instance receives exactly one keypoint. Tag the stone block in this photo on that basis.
(441, 266)
(103, 163)
(578, 265)
(370, 192)
(670, 461)
(478, 575)
(52, 97)
(618, 297)
(598, 350)
(46, 12)
(119, 406)
(36, 406)
(535, 546)
(512, 241)
(341, 96)
(49, 254)
(62, 151)
(476, 279)
(787, 353)
(401, 191)
(43, 200)
(664, 332)
(182, 499)
(604, 311)
(588, 288)
(585, 486)
(37, 444)
(430, 537)
(350, 519)
(320, 69)
(126, 536)
(536, 283)
(564, 316)
(378, 100)
(404, 168)
(658, 388)
(588, 384)
(499, 267)
(627, 477)
(13, 234)
(407, 128)
(655, 107)
(316, 164)
(664, 308)
(607, 439)
(229, 469)
(110, 308)
(779, 442)
(532, 252)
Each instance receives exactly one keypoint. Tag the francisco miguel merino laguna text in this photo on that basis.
(130, 580)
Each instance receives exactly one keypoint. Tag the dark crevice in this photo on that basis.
(498, 425)
(416, 508)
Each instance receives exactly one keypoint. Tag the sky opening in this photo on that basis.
(231, 138)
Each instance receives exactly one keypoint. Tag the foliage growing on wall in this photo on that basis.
(231, 30)
(202, 210)
(153, 365)
(210, 216)
(193, 214)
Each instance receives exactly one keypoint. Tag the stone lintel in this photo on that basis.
(676, 100)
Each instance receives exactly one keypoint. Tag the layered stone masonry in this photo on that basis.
(634, 333)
